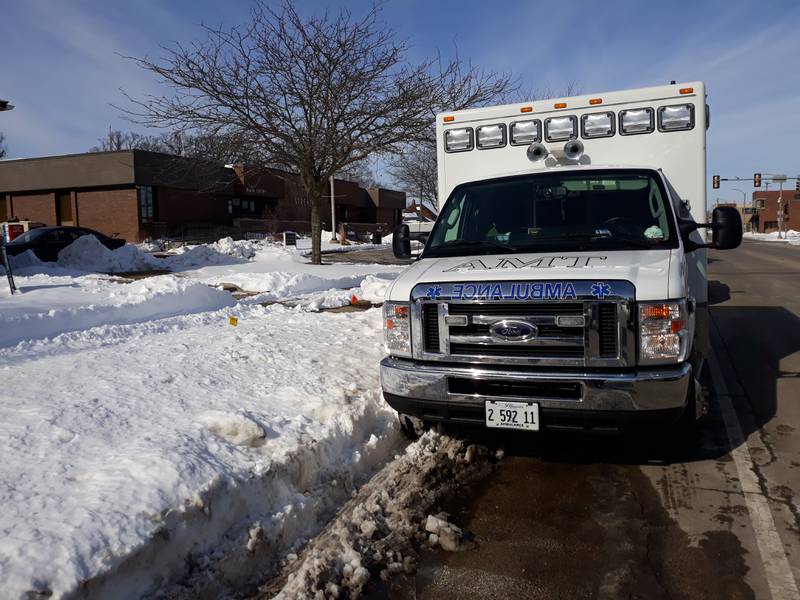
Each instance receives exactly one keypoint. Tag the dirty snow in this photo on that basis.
(384, 526)
(141, 432)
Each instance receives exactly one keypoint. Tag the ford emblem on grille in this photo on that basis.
(513, 331)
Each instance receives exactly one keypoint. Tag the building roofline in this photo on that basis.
(53, 156)
(109, 152)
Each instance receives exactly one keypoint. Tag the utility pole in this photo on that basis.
(4, 105)
(780, 179)
(333, 212)
(744, 205)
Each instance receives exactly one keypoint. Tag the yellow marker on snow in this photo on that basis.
(233, 321)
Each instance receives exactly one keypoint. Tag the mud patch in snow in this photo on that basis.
(380, 531)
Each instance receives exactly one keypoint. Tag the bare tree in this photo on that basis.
(414, 170)
(115, 140)
(214, 148)
(2, 146)
(362, 173)
(313, 95)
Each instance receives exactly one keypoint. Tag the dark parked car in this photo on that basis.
(47, 242)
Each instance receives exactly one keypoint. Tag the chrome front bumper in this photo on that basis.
(411, 385)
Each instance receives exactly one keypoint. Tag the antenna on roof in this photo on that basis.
(672, 82)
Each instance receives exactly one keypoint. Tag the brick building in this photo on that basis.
(765, 211)
(137, 194)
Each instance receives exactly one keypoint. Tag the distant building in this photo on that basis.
(137, 195)
(765, 210)
(418, 211)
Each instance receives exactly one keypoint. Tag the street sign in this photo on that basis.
(779, 178)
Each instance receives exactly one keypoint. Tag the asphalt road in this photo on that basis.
(711, 516)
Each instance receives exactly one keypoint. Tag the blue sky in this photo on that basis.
(60, 61)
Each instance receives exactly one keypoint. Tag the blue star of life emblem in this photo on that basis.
(434, 291)
(600, 290)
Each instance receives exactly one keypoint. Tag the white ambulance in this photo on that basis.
(564, 283)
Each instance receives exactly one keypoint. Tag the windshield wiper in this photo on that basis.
(594, 237)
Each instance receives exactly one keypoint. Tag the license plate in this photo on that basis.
(512, 415)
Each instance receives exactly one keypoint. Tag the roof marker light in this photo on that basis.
(560, 105)
(526, 109)
(596, 101)
(449, 119)
(687, 90)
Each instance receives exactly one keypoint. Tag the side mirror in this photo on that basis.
(401, 242)
(726, 224)
(726, 227)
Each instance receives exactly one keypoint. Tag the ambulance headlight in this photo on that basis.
(637, 120)
(397, 328)
(558, 129)
(458, 140)
(678, 117)
(597, 125)
(491, 136)
(663, 332)
(526, 132)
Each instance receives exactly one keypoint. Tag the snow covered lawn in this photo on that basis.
(142, 434)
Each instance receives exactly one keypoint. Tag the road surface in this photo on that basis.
(714, 516)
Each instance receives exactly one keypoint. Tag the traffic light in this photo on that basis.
(797, 184)
(757, 180)
(715, 182)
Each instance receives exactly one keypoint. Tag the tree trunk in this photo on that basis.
(316, 232)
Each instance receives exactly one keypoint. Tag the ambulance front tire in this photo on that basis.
(412, 427)
(688, 423)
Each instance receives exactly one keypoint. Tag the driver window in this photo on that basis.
(657, 208)
(453, 220)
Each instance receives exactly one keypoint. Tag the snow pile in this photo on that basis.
(87, 253)
(153, 245)
(222, 252)
(372, 289)
(791, 237)
(23, 262)
(52, 305)
(276, 273)
(134, 452)
(238, 429)
(385, 525)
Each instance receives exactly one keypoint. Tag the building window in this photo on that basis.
(64, 208)
(146, 204)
